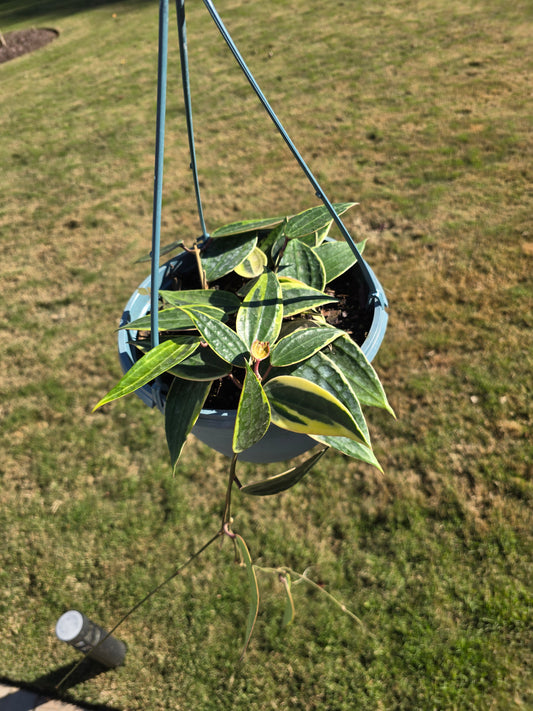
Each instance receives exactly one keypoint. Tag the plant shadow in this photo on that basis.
(20, 10)
(45, 687)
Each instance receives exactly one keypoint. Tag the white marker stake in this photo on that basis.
(78, 631)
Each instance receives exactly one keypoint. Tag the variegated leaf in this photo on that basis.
(253, 265)
(300, 262)
(274, 241)
(156, 362)
(215, 298)
(253, 413)
(320, 235)
(243, 226)
(324, 371)
(284, 481)
(360, 373)
(184, 402)
(317, 237)
(337, 258)
(203, 364)
(351, 449)
(171, 319)
(254, 591)
(261, 313)
(301, 406)
(298, 297)
(223, 254)
(222, 339)
(313, 219)
(302, 344)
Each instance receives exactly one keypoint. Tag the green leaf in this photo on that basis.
(261, 313)
(144, 344)
(284, 481)
(184, 402)
(324, 371)
(156, 362)
(300, 262)
(223, 254)
(351, 449)
(307, 321)
(359, 373)
(317, 237)
(215, 298)
(245, 288)
(203, 364)
(254, 591)
(301, 406)
(320, 235)
(337, 257)
(276, 241)
(313, 219)
(272, 242)
(222, 339)
(302, 344)
(289, 612)
(253, 265)
(235, 228)
(298, 297)
(173, 319)
(253, 413)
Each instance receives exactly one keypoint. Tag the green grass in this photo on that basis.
(421, 114)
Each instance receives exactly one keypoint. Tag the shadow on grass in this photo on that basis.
(12, 11)
(45, 687)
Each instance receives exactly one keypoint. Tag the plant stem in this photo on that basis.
(256, 369)
(302, 578)
(142, 601)
(281, 252)
(226, 516)
(235, 381)
(201, 272)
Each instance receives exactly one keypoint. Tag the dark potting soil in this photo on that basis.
(20, 42)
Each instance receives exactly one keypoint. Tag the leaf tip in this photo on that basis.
(97, 406)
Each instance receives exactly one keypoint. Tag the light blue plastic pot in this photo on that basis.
(215, 427)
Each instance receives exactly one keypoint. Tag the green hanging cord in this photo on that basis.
(184, 61)
(375, 296)
(158, 170)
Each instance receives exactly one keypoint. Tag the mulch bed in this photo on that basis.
(20, 42)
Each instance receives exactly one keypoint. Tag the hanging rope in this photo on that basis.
(375, 297)
(184, 61)
(158, 170)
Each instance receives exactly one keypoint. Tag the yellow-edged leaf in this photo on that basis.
(301, 406)
(156, 362)
(254, 591)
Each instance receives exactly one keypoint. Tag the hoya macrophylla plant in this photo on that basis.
(268, 336)
(257, 317)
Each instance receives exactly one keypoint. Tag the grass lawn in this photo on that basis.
(421, 112)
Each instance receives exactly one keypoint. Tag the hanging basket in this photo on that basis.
(214, 427)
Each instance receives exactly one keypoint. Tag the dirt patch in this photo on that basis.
(15, 44)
